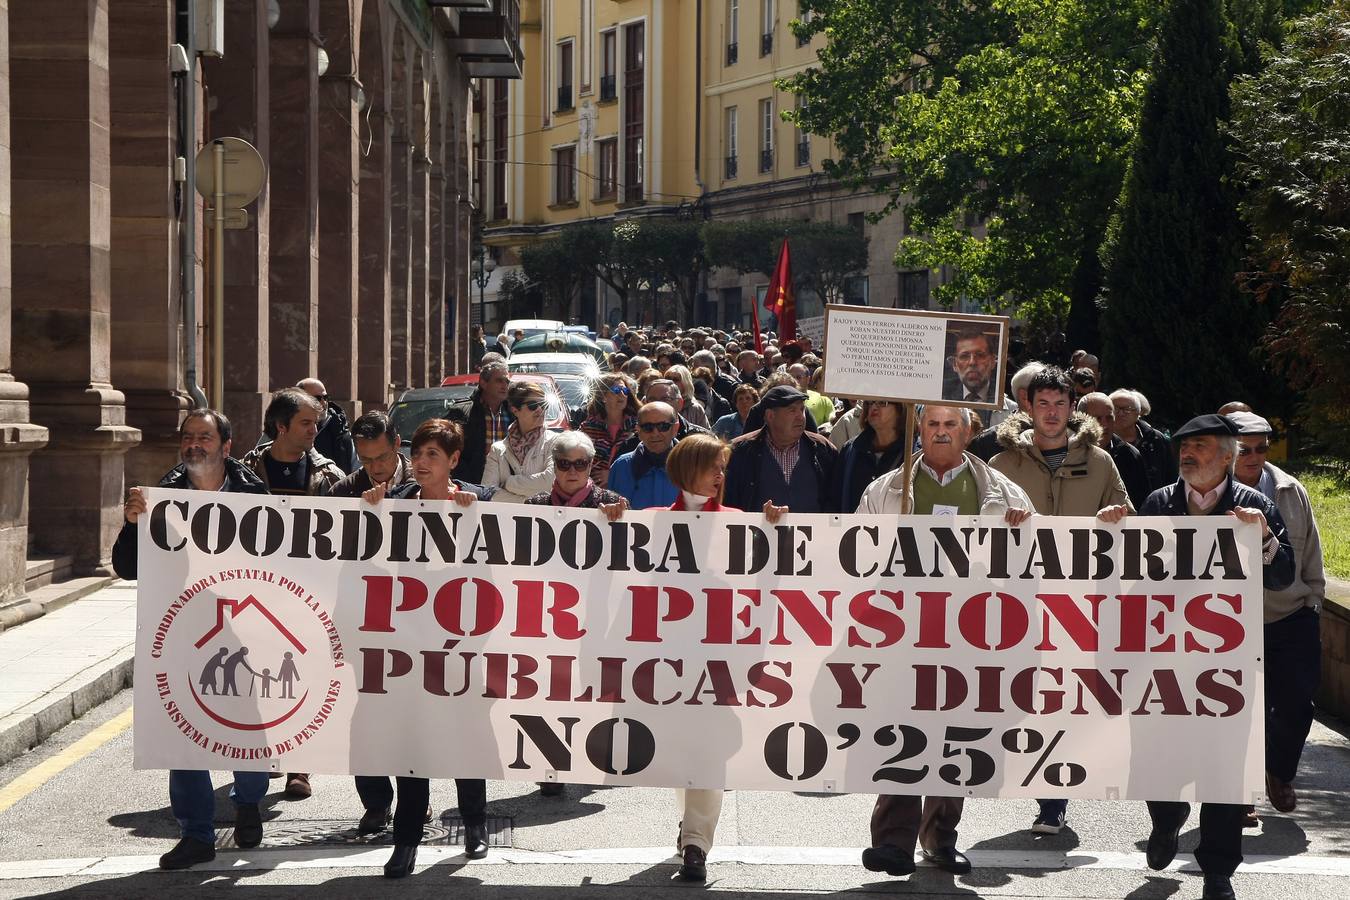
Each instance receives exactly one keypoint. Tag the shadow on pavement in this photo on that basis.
(160, 823)
(1156, 887)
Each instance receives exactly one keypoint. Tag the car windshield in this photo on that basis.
(576, 391)
(583, 365)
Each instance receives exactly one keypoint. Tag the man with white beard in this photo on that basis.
(204, 446)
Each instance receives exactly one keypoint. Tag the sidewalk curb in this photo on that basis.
(32, 724)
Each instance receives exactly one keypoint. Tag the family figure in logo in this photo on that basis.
(228, 663)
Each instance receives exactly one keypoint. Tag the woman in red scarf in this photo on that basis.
(573, 458)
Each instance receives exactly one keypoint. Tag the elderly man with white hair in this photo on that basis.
(1208, 452)
(944, 480)
(1129, 408)
(1292, 627)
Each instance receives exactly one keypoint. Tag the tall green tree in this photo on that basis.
(824, 254)
(552, 265)
(1016, 114)
(1174, 322)
(1291, 132)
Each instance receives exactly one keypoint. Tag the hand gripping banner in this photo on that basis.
(873, 654)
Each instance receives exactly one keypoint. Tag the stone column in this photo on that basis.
(18, 437)
(438, 360)
(61, 300)
(400, 275)
(237, 90)
(146, 312)
(293, 281)
(373, 308)
(420, 327)
(339, 237)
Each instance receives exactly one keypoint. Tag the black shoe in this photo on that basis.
(888, 858)
(401, 862)
(247, 826)
(1218, 887)
(297, 786)
(694, 867)
(187, 852)
(374, 821)
(475, 841)
(949, 859)
(1162, 843)
(550, 789)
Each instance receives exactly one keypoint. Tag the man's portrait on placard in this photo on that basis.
(972, 362)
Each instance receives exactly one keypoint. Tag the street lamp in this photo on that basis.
(483, 267)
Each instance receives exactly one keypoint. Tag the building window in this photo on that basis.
(805, 16)
(607, 152)
(766, 27)
(857, 221)
(565, 175)
(856, 291)
(634, 70)
(914, 289)
(732, 142)
(766, 135)
(803, 140)
(500, 121)
(733, 31)
(609, 44)
(564, 76)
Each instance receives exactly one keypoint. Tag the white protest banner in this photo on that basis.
(945, 656)
(812, 327)
(915, 355)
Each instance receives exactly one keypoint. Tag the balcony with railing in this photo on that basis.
(609, 89)
(564, 98)
(731, 168)
(804, 153)
(733, 53)
(488, 41)
(766, 160)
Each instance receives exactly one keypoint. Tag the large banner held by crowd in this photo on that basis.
(874, 654)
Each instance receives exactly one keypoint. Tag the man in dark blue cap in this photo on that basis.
(1208, 450)
(782, 466)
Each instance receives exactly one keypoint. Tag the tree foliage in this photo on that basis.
(1291, 130)
(551, 265)
(1014, 113)
(824, 254)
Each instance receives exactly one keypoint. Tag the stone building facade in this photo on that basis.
(353, 266)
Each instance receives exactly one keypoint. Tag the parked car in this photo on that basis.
(555, 364)
(558, 342)
(530, 327)
(413, 407)
(463, 386)
(576, 393)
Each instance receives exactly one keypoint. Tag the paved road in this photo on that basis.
(76, 820)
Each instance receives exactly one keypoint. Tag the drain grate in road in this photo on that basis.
(447, 831)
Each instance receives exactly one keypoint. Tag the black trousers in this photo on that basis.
(1220, 849)
(1293, 670)
(377, 792)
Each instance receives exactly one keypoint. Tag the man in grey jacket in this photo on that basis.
(1292, 633)
(945, 480)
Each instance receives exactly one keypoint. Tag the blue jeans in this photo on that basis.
(193, 800)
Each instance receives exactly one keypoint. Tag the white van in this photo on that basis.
(530, 326)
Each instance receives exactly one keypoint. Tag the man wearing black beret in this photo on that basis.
(1208, 448)
(782, 466)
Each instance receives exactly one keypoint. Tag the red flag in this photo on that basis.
(781, 300)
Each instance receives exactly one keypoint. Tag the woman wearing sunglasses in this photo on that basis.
(611, 419)
(521, 465)
(436, 447)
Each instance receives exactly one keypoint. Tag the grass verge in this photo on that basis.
(1329, 491)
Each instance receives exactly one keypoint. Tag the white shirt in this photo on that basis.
(946, 478)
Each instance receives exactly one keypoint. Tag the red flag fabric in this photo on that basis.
(781, 300)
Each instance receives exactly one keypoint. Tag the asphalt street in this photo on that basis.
(76, 820)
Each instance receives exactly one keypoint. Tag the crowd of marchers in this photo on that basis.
(699, 419)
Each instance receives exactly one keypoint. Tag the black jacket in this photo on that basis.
(474, 455)
(411, 490)
(1171, 501)
(1130, 464)
(335, 440)
(238, 480)
(357, 483)
(1156, 449)
(747, 452)
(858, 467)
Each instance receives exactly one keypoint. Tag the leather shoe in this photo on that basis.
(1281, 794)
(187, 852)
(374, 821)
(247, 826)
(888, 858)
(401, 862)
(297, 785)
(475, 841)
(948, 859)
(1218, 887)
(695, 865)
(1162, 843)
(1249, 818)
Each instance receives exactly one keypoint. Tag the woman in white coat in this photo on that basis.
(522, 465)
